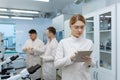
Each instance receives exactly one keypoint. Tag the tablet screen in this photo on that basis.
(81, 54)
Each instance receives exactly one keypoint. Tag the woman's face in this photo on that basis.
(77, 29)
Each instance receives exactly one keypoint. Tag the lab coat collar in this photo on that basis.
(51, 40)
(76, 39)
(34, 40)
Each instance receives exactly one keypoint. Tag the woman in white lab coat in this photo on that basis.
(67, 52)
(49, 70)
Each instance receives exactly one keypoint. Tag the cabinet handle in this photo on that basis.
(94, 74)
(96, 64)
(97, 76)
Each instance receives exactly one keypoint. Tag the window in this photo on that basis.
(9, 32)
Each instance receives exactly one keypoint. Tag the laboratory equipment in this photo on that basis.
(25, 73)
(1, 44)
(102, 47)
(108, 45)
(4, 71)
(8, 60)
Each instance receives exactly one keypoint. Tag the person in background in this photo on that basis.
(33, 48)
(66, 52)
(48, 68)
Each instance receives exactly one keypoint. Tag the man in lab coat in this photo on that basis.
(49, 71)
(33, 48)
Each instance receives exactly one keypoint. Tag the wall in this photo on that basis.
(67, 31)
(23, 26)
(85, 8)
(58, 21)
(96, 5)
(72, 9)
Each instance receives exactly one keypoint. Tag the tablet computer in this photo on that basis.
(81, 54)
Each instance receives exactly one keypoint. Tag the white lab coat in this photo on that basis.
(32, 60)
(73, 70)
(48, 68)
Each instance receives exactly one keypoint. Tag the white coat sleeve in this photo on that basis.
(53, 52)
(93, 63)
(60, 59)
(40, 49)
(25, 45)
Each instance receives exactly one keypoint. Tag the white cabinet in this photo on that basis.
(118, 41)
(107, 43)
(101, 29)
(94, 74)
(91, 31)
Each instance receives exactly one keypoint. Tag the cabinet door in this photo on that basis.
(90, 28)
(105, 76)
(107, 44)
(105, 40)
(89, 34)
(94, 74)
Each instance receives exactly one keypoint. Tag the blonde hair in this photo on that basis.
(75, 18)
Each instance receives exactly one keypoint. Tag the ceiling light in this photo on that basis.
(22, 18)
(3, 9)
(23, 11)
(42, 0)
(4, 17)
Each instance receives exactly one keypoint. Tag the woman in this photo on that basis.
(67, 52)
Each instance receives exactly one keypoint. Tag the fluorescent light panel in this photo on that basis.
(22, 18)
(3, 9)
(4, 17)
(23, 11)
(42, 0)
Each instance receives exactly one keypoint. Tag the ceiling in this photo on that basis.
(51, 6)
(46, 9)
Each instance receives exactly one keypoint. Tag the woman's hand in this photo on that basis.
(73, 58)
(87, 59)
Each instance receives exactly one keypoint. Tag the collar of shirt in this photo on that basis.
(49, 41)
(76, 39)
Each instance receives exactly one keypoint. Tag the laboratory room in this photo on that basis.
(59, 39)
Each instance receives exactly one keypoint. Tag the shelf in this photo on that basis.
(105, 69)
(90, 32)
(105, 31)
(103, 51)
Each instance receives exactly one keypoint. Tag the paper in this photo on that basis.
(81, 54)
